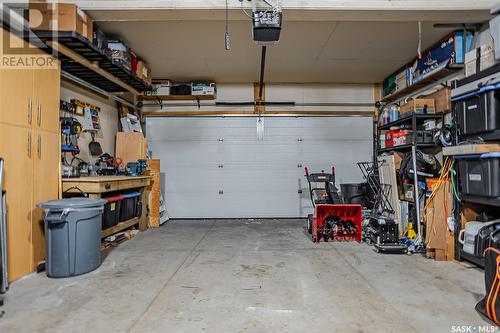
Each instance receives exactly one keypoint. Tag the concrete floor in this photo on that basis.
(247, 276)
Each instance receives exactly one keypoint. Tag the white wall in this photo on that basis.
(298, 93)
(108, 117)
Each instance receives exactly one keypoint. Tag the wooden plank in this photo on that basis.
(154, 193)
(119, 227)
(78, 185)
(143, 219)
(130, 147)
(102, 179)
(471, 149)
(259, 109)
(95, 68)
(251, 113)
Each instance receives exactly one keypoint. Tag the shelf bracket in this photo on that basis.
(160, 102)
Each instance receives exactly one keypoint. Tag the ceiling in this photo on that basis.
(347, 50)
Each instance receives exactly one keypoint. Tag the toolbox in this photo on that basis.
(480, 174)
(477, 113)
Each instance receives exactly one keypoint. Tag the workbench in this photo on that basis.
(95, 187)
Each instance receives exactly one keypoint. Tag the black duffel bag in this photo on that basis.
(489, 306)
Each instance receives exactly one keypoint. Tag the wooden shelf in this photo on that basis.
(473, 149)
(408, 119)
(178, 97)
(119, 227)
(82, 59)
(422, 83)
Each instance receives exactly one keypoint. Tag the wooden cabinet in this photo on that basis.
(46, 155)
(16, 148)
(46, 94)
(30, 146)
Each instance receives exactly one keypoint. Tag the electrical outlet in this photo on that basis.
(451, 223)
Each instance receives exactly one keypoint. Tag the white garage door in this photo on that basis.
(222, 168)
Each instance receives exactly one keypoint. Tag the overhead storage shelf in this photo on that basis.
(443, 73)
(80, 58)
(178, 97)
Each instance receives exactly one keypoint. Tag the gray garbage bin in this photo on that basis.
(72, 235)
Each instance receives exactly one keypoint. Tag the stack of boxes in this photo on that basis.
(480, 59)
(448, 52)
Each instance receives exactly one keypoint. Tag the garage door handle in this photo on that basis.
(299, 191)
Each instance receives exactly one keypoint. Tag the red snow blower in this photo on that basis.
(332, 220)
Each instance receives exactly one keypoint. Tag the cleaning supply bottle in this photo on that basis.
(386, 117)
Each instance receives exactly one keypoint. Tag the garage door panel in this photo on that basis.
(245, 204)
(195, 205)
(240, 176)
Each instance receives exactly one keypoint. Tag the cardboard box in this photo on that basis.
(160, 88)
(471, 62)
(442, 100)
(60, 17)
(487, 56)
(438, 237)
(449, 51)
(419, 105)
(143, 71)
(203, 88)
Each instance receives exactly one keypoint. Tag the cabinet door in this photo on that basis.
(16, 90)
(46, 96)
(16, 149)
(16, 103)
(46, 155)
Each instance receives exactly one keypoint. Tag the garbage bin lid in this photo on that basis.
(72, 203)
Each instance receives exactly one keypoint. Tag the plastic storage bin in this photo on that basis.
(129, 206)
(73, 236)
(480, 174)
(478, 113)
(112, 210)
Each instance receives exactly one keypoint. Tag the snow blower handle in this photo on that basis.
(306, 171)
(333, 174)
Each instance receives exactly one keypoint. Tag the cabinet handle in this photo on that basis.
(29, 145)
(39, 149)
(39, 114)
(30, 109)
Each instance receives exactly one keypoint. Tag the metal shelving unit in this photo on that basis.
(414, 119)
(461, 87)
(82, 59)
